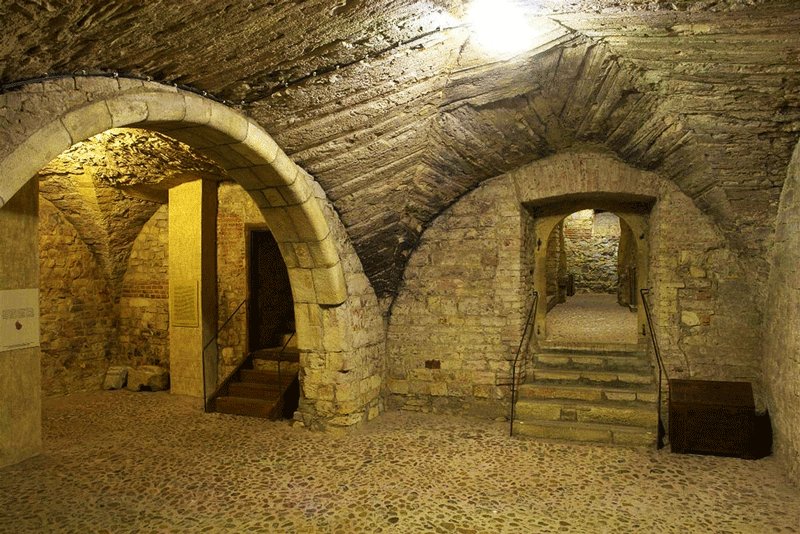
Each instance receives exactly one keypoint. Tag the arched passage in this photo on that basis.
(293, 207)
(280, 188)
(591, 260)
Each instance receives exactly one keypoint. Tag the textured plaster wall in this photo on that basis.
(782, 326)
(78, 314)
(144, 305)
(461, 303)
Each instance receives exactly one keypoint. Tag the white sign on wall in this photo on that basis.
(19, 319)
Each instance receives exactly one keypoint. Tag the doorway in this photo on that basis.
(270, 317)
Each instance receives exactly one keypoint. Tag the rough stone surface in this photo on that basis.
(591, 318)
(782, 326)
(116, 377)
(148, 378)
(404, 473)
(396, 110)
(591, 243)
(462, 299)
(77, 308)
(144, 305)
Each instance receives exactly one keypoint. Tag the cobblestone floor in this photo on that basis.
(152, 462)
(591, 317)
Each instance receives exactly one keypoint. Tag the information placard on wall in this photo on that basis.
(19, 319)
(185, 304)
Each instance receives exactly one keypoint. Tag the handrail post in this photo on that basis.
(531, 314)
(661, 368)
(203, 352)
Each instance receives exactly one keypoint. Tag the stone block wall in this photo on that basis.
(556, 260)
(343, 366)
(458, 319)
(591, 242)
(782, 326)
(78, 313)
(458, 316)
(144, 302)
(705, 304)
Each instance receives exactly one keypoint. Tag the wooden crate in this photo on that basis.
(712, 417)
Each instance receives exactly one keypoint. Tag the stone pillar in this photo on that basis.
(20, 368)
(192, 287)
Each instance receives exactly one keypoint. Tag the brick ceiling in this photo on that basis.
(394, 110)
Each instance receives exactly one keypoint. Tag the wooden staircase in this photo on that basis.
(265, 385)
(601, 393)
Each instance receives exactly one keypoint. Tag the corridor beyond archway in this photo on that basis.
(591, 318)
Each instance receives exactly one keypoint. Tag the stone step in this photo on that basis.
(619, 361)
(564, 346)
(591, 377)
(604, 412)
(265, 409)
(587, 433)
(631, 393)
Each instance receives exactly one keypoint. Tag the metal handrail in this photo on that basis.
(531, 313)
(280, 358)
(203, 353)
(662, 370)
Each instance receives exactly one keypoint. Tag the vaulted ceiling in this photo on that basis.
(396, 111)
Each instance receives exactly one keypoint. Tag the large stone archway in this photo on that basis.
(459, 317)
(337, 335)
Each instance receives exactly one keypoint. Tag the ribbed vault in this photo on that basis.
(393, 110)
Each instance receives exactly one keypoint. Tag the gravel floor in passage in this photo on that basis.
(591, 317)
(153, 462)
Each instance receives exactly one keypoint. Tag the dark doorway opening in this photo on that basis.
(271, 308)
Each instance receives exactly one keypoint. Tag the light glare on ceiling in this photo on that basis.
(500, 27)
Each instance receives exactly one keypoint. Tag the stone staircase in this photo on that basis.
(579, 392)
(265, 385)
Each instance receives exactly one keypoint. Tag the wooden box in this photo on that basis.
(712, 417)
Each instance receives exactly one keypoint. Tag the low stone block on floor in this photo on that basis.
(148, 378)
(116, 376)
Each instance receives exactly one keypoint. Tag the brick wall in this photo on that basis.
(782, 326)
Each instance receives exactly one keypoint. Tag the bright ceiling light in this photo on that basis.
(500, 27)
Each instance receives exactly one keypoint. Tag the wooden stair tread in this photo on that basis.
(277, 354)
(266, 376)
(264, 408)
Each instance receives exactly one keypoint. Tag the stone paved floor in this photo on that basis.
(591, 317)
(152, 462)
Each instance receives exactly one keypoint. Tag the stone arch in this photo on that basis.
(633, 222)
(781, 358)
(598, 180)
(281, 189)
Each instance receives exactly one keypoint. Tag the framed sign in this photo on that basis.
(19, 319)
